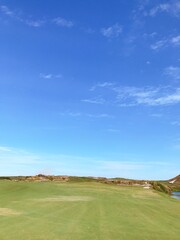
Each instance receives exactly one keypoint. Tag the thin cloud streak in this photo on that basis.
(173, 72)
(13, 14)
(134, 96)
(89, 115)
(172, 8)
(166, 42)
(96, 100)
(159, 44)
(49, 76)
(176, 40)
(62, 22)
(112, 32)
(4, 9)
(35, 23)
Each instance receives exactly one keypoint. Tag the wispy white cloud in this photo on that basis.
(166, 42)
(150, 8)
(173, 72)
(95, 100)
(160, 8)
(150, 35)
(104, 84)
(62, 22)
(102, 115)
(168, 99)
(170, 7)
(21, 17)
(159, 44)
(4, 9)
(89, 115)
(125, 96)
(71, 114)
(50, 76)
(176, 40)
(35, 23)
(142, 4)
(112, 32)
(150, 96)
(18, 16)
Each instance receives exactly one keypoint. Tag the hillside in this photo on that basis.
(167, 186)
(175, 179)
(174, 183)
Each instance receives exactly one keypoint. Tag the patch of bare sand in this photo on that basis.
(66, 199)
(8, 212)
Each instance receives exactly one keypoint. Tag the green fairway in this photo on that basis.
(82, 211)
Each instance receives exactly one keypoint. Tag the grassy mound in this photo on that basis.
(161, 187)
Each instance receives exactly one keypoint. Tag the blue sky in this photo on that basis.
(90, 88)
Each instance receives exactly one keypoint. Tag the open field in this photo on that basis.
(84, 211)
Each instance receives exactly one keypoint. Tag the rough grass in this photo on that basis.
(86, 211)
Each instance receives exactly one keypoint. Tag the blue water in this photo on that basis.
(176, 195)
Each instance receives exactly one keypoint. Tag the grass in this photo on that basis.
(85, 211)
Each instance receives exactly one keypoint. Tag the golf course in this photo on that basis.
(86, 211)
